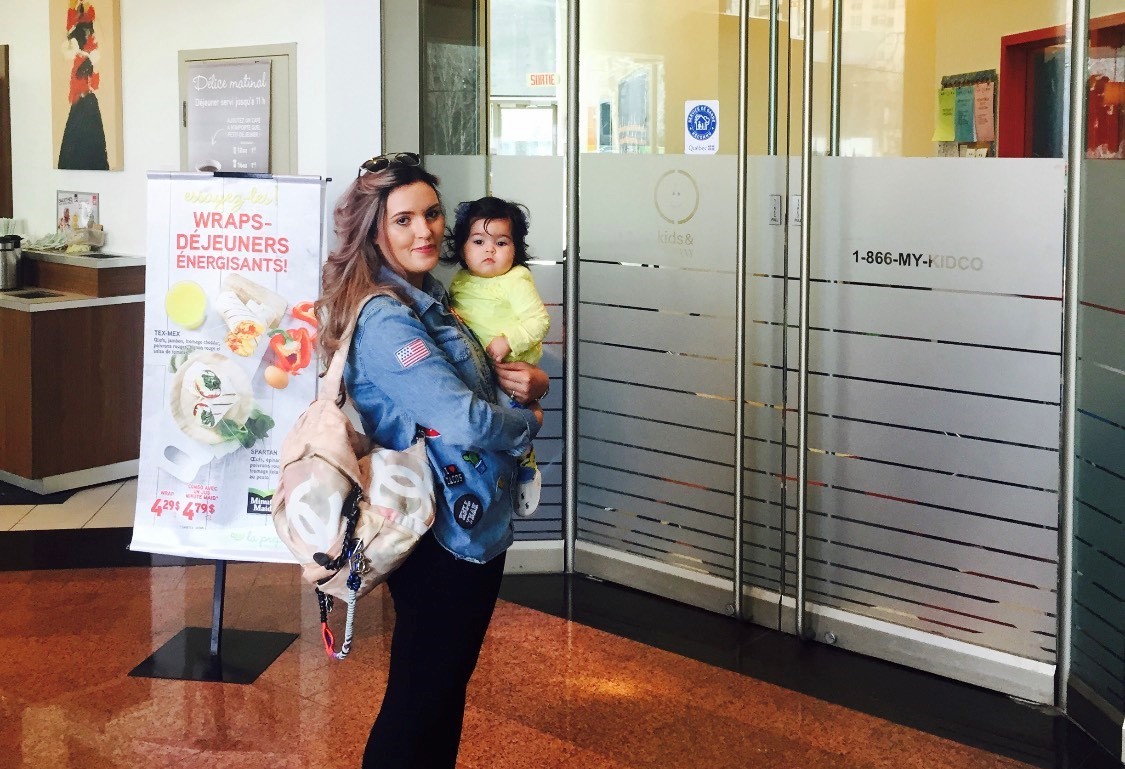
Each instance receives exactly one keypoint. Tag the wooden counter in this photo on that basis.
(103, 275)
(72, 374)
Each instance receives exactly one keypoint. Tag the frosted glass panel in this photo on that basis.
(463, 177)
(1009, 321)
(538, 183)
(935, 365)
(1099, 511)
(656, 357)
(992, 226)
(769, 228)
(669, 211)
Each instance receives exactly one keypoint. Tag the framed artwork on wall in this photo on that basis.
(86, 84)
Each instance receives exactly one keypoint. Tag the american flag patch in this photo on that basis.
(412, 353)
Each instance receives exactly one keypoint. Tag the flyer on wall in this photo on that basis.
(229, 362)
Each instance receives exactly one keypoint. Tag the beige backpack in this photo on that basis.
(348, 510)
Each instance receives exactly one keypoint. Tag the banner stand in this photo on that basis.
(232, 272)
(210, 654)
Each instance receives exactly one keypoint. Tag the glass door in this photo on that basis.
(493, 109)
(928, 531)
(527, 119)
(659, 117)
(818, 304)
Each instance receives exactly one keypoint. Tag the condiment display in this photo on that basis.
(83, 240)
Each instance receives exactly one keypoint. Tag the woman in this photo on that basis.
(415, 370)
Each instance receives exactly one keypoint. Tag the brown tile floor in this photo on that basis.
(548, 692)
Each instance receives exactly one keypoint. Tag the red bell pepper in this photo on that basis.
(305, 311)
(293, 348)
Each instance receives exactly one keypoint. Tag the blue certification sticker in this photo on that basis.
(701, 127)
(702, 122)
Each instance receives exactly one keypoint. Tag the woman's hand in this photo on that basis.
(524, 382)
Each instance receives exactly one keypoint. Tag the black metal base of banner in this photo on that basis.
(200, 654)
(187, 657)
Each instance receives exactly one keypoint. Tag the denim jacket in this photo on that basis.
(418, 371)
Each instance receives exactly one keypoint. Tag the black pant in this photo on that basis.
(442, 609)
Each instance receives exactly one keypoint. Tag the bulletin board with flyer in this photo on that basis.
(965, 119)
(232, 272)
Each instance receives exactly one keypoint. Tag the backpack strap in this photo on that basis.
(332, 383)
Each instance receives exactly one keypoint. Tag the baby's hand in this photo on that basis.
(499, 348)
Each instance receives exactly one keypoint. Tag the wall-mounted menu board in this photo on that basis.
(228, 116)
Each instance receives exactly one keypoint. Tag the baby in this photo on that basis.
(494, 294)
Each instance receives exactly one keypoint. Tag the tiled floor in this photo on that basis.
(576, 673)
(98, 507)
(549, 692)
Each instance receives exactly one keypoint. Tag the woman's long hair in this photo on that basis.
(353, 269)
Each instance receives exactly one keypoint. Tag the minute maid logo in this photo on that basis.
(259, 502)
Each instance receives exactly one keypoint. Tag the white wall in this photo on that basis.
(353, 90)
(337, 97)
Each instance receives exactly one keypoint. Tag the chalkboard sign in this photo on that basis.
(228, 116)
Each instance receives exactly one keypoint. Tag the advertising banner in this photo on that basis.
(229, 361)
(228, 116)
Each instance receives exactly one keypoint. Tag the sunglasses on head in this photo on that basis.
(383, 162)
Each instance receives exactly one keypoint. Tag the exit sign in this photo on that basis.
(541, 79)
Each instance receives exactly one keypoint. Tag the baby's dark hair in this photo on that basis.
(489, 209)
